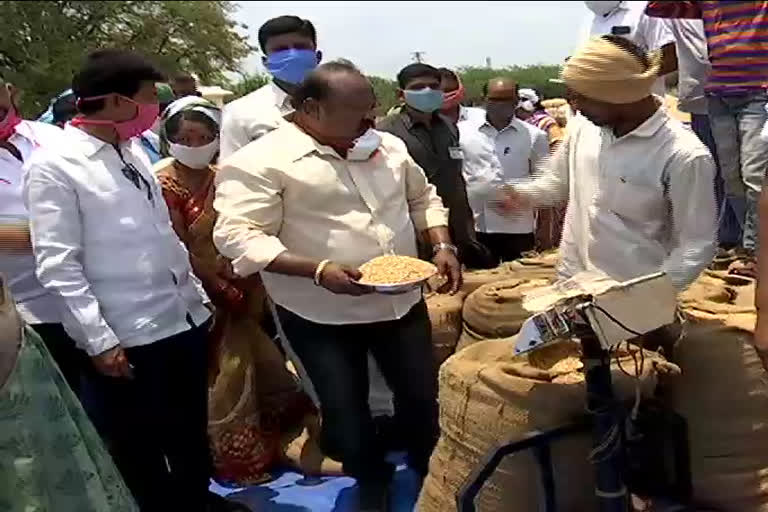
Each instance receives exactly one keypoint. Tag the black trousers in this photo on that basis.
(507, 246)
(72, 361)
(155, 425)
(335, 358)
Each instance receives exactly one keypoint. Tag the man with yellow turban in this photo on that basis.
(640, 186)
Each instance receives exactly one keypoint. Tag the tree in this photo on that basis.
(43, 43)
(386, 93)
(248, 83)
(536, 77)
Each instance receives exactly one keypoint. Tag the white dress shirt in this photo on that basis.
(638, 204)
(493, 158)
(104, 247)
(288, 192)
(648, 33)
(250, 117)
(692, 62)
(34, 303)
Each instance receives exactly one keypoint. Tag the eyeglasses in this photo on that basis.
(134, 176)
(138, 180)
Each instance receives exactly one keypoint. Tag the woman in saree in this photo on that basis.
(51, 457)
(254, 401)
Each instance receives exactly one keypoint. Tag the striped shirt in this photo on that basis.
(737, 40)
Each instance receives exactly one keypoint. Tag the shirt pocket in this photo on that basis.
(632, 201)
(114, 213)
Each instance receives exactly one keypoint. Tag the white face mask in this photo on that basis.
(527, 105)
(194, 157)
(601, 8)
(365, 146)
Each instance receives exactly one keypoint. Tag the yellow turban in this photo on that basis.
(606, 72)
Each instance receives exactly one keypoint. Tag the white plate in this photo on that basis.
(397, 289)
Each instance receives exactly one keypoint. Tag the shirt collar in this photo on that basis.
(89, 144)
(409, 122)
(514, 124)
(301, 144)
(650, 126)
(282, 100)
(24, 129)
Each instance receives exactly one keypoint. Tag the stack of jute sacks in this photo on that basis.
(445, 311)
(487, 395)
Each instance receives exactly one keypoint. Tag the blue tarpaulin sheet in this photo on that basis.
(288, 493)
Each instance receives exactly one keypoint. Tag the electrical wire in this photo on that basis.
(615, 320)
(639, 365)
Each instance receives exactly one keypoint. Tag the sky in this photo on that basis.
(379, 37)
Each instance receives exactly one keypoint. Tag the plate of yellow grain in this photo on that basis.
(392, 274)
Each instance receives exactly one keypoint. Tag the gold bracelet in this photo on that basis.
(319, 271)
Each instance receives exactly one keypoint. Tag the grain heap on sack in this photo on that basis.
(488, 395)
(723, 394)
(495, 310)
(536, 265)
(445, 317)
(533, 266)
(717, 298)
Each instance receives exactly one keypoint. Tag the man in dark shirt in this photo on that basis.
(433, 141)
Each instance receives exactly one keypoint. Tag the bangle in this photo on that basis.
(319, 271)
(444, 246)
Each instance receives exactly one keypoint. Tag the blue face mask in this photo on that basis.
(291, 65)
(424, 100)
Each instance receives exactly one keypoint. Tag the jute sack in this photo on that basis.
(496, 310)
(445, 317)
(723, 394)
(487, 395)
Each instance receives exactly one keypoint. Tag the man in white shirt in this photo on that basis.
(306, 205)
(500, 149)
(289, 44)
(19, 139)
(104, 245)
(628, 19)
(640, 186)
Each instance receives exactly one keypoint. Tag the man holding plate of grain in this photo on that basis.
(306, 205)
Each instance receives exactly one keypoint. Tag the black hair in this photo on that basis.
(64, 109)
(173, 123)
(448, 74)
(416, 70)
(317, 84)
(111, 71)
(286, 25)
(629, 47)
(182, 76)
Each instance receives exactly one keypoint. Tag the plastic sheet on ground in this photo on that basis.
(333, 494)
